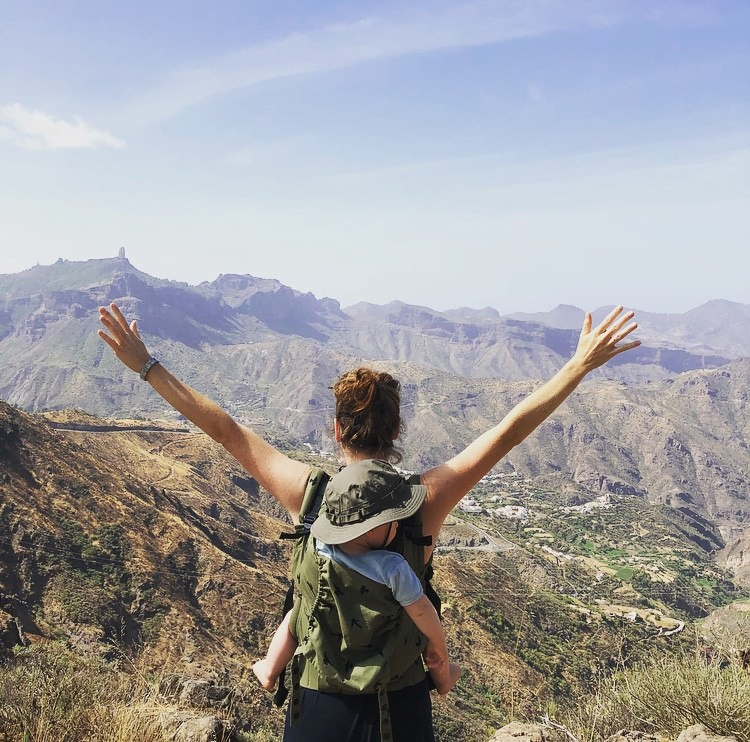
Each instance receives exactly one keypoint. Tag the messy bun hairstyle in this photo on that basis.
(368, 412)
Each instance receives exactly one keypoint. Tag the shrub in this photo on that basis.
(665, 696)
(46, 694)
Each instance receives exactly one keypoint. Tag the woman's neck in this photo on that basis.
(350, 455)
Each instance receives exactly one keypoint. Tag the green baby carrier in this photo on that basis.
(352, 634)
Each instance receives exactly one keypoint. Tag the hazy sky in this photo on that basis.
(516, 154)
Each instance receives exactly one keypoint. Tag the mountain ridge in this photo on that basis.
(123, 523)
(268, 354)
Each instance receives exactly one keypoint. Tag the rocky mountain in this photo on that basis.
(669, 423)
(264, 347)
(143, 539)
(716, 327)
(122, 526)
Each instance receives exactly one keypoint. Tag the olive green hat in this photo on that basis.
(362, 496)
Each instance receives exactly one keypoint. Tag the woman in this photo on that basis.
(367, 422)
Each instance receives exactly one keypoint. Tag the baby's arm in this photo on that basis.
(280, 653)
(444, 673)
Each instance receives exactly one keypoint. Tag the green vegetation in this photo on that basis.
(668, 563)
(625, 574)
(87, 581)
(566, 646)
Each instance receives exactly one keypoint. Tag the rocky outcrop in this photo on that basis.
(700, 733)
(11, 633)
(185, 727)
(522, 732)
(196, 693)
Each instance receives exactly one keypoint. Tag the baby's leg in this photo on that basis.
(280, 652)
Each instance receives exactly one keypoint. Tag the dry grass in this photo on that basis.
(664, 697)
(48, 694)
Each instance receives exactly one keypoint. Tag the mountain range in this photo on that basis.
(120, 523)
(668, 421)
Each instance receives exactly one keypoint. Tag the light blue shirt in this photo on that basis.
(385, 567)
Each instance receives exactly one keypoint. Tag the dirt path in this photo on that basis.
(182, 433)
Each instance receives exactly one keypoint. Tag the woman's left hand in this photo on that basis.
(598, 345)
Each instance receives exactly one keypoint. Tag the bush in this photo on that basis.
(46, 694)
(665, 696)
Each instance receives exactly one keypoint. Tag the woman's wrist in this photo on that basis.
(147, 366)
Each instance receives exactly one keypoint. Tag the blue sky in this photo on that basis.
(508, 154)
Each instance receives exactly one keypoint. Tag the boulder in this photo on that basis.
(194, 691)
(699, 733)
(201, 729)
(519, 732)
(203, 693)
(183, 726)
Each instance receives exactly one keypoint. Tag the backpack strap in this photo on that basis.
(386, 731)
(429, 590)
(281, 691)
(311, 503)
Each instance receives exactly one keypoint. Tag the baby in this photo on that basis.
(366, 554)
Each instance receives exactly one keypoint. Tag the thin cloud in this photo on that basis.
(346, 44)
(37, 130)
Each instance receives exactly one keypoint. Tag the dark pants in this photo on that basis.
(343, 717)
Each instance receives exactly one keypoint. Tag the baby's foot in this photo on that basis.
(265, 678)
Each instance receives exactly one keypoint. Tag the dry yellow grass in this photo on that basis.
(665, 696)
(49, 694)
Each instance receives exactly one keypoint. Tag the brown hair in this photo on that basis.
(368, 412)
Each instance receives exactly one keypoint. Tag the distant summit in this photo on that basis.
(563, 316)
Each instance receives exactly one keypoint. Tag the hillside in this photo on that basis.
(603, 537)
(147, 538)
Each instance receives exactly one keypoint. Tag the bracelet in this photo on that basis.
(147, 367)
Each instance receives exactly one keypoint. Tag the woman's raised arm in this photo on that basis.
(449, 482)
(283, 477)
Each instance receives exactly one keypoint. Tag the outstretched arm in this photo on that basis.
(449, 482)
(283, 477)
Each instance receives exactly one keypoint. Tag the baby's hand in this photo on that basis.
(434, 656)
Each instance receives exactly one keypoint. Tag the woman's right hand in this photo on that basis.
(123, 338)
